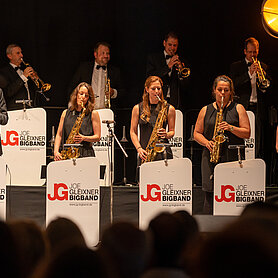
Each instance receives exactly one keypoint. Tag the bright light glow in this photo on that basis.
(270, 17)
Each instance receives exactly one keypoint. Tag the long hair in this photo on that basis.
(226, 79)
(146, 100)
(91, 101)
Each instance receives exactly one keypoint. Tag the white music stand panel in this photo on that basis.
(164, 188)
(235, 187)
(3, 194)
(73, 192)
(250, 143)
(177, 140)
(102, 149)
(24, 146)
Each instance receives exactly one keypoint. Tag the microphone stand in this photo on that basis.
(24, 102)
(191, 140)
(112, 135)
(124, 141)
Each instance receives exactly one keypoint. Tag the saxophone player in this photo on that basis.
(234, 124)
(90, 128)
(145, 115)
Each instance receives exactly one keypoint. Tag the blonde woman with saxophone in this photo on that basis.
(81, 102)
(145, 116)
(233, 124)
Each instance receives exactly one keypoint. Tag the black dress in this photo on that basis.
(146, 129)
(86, 129)
(230, 115)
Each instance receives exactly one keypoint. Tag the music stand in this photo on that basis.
(164, 145)
(238, 147)
(112, 135)
(24, 102)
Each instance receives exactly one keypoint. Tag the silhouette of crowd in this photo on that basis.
(171, 247)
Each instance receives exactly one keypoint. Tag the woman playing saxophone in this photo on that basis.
(81, 101)
(234, 124)
(145, 115)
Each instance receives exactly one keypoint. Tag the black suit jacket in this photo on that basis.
(242, 84)
(156, 65)
(3, 114)
(84, 74)
(14, 89)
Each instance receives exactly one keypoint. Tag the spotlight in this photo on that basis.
(269, 12)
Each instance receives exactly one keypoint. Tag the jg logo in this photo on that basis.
(227, 194)
(60, 192)
(153, 193)
(11, 138)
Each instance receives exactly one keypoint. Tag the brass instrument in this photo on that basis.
(218, 135)
(107, 97)
(262, 82)
(73, 152)
(151, 148)
(38, 82)
(183, 72)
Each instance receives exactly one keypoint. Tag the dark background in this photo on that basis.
(56, 36)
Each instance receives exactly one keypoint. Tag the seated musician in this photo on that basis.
(78, 125)
(234, 125)
(151, 122)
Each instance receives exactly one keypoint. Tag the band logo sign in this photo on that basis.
(166, 193)
(239, 194)
(24, 138)
(74, 192)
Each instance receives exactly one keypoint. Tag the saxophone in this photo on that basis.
(73, 152)
(151, 148)
(107, 100)
(218, 135)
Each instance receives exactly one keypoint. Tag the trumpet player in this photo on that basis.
(15, 80)
(251, 89)
(168, 66)
(234, 124)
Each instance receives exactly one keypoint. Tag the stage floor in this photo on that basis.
(30, 202)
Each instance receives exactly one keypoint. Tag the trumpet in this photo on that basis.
(262, 82)
(42, 86)
(183, 72)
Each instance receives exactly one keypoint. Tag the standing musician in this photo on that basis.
(15, 80)
(98, 73)
(145, 115)
(251, 88)
(235, 125)
(166, 64)
(90, 129)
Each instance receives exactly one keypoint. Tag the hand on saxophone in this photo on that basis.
(78, 138)
(224, 126)
(161, 132)
(57, 156)
(209, 145)
(142, 153)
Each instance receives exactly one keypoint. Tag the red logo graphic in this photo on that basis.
(64, 194)
(11, 138)
(231, 194)
(156, 190)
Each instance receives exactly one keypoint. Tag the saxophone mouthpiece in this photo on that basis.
(158, 97)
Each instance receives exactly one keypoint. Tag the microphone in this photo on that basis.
(108, 122)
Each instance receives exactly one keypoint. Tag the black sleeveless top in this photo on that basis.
(230, 115)
(146, 129)
(85, 129)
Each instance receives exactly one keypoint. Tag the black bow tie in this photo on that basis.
(249, 64)
(98, 67)
(168, 57)
(17, 68)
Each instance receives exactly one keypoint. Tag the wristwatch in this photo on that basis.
(231, 128)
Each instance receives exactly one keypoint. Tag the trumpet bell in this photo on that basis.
(185, 72)
(45, 87)
(264, 84)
